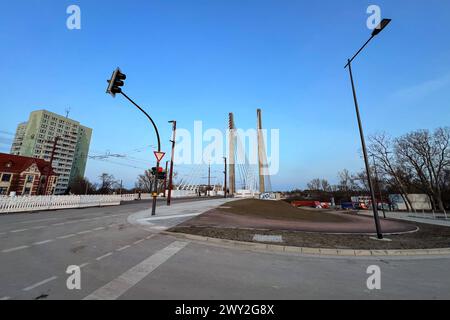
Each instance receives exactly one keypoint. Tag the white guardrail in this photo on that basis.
(37, 203)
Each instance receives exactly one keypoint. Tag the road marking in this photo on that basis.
(5, 298)
(43, 242)
(123, 248)
(139, 241)
(83, 232)
(2, 232)
(128, 279)
(59, 224)
(67, 236)
(18, 230)
(171, 216)
(14, 249)
(84, 264)
(104, 256)
(39, 227)
(38, 220)
(40, 283)
(99, 228)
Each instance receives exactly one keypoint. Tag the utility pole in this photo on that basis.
(209, 179)
(174, 131)
(225, 177)
(231, 156)
(120, 191)
(52, 157)
(165, 180)
(261, 155)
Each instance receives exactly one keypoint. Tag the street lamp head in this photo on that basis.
(380, 27)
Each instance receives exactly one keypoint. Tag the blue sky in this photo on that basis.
(199, 60)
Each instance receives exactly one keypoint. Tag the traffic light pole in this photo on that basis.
(155, 187)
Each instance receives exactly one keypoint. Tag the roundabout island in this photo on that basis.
(279, 223)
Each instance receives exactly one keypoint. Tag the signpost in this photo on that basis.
(159, 155)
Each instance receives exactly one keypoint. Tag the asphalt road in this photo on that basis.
(121, 260)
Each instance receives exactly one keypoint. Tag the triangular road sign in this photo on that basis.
(159, 155)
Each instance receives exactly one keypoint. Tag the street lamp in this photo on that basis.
(375, 32)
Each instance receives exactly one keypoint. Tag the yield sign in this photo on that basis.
(159, 155)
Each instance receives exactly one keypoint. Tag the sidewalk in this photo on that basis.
(169, 216)
(411, 216)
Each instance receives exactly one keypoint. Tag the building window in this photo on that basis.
(26, 191)
(6, 177)
(30, 178)
(3, 191)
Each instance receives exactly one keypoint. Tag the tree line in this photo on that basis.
(417, 162)
(108, 184)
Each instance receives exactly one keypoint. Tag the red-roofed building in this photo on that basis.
(26, 175)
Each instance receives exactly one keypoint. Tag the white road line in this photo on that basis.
(43, 242)
(123, 248)
(5, 298)
(18, 230)
(40, 283)
(83, 232)
(104, 256)
(38, 220)
(39, 227)
(2, 232)
(139, 241)
(67, 236)
(149, 237)
(99, 228)
(171, 216)
(128, 279)
(84, 264)
(59, 224)
(14, 249)
(70, 222)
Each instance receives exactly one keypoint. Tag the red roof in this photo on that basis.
(17, 164)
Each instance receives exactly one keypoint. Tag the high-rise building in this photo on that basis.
(46, 130)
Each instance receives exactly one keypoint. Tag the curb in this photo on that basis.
(311, 251)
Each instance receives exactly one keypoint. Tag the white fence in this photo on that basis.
(38, 203)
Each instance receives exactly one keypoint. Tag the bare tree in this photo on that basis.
(81, 185)
(107, 183)
(145, 182)
(427, 155)
(314, 185)
(325, 185)
(381, 147)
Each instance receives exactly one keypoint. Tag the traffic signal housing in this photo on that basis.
(159, 173)
(116, 82)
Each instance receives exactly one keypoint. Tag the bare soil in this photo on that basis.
(241, 220)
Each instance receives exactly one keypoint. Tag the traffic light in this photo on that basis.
(116, 82)
(159, 173)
